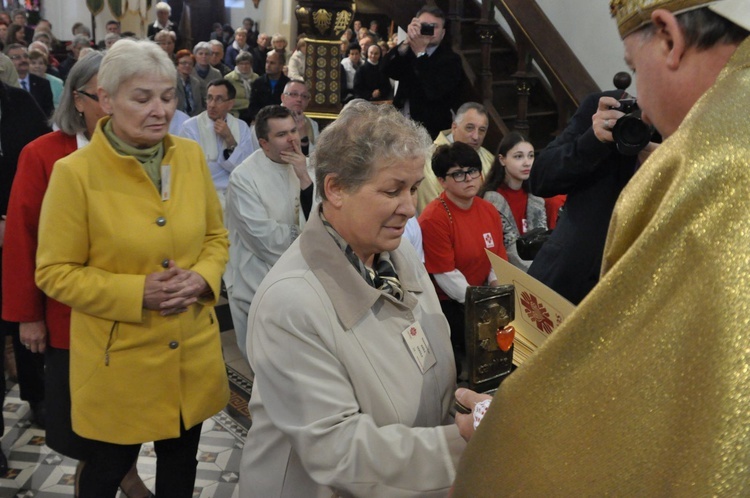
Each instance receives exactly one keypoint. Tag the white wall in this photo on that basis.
(592, 35)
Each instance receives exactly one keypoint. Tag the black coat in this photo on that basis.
(21, 121)
(430, 84)
(367, 79)
(592, 174)
(41, 90)
(261, 95)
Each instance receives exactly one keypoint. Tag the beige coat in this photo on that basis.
(339, 405)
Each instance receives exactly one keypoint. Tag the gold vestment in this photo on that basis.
(645, 389)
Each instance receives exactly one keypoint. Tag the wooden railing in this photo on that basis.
(537, 40)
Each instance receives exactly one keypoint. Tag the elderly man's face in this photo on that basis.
(20, 59)
(296, 97)
(218, 103)
(471, 129)
(365, 43)
(643, 56)
(217, 54)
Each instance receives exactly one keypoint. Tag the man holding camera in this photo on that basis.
(429, 74)
(583, 163)
(643, 390)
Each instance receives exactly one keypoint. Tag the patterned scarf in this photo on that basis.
(383, 277)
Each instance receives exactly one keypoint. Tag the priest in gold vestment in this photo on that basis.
(645, 389)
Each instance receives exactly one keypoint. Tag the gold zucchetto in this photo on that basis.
(634, 14)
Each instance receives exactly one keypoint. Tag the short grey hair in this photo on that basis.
(216, 43)
(165, 33)
(162, 6)
(468, 106)
(81, 41)
(129, 58)
(67, 117)
(201, 46)
(243, 56)
(703, 29)
(365, 134)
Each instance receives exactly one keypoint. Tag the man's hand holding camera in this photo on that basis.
(605, 118)
(418, 36)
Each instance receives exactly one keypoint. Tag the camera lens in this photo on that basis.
(631, 134)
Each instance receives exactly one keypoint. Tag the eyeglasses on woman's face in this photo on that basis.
(89, 95)
(461, 175)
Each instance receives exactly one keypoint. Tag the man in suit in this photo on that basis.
(21, 121)
(267, 89)
(39, 88)
(429, 74)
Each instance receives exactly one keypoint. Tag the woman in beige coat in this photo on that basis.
(355, 378)
(131, 238)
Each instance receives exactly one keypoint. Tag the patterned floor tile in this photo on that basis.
(36, 471)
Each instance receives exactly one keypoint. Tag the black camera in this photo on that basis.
(630, 133)
(427, 29)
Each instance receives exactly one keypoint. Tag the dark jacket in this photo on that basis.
(431, 84)
(41, 90)
(367, 79)
(592, 174)
(21, 121)
(261, 95)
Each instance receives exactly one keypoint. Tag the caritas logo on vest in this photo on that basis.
(489, 242)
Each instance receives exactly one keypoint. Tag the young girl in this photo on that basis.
(507, 189)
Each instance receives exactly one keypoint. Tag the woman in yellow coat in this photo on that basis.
(132, 239)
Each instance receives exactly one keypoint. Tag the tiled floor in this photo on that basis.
(37, 471)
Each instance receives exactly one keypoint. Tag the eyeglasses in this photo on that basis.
(89, 95)
(16, 57)
(295, 95)
(185, 63)
(460, 176)
(218, 99)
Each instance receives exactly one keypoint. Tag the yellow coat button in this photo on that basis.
(174, 345)
(161, 221)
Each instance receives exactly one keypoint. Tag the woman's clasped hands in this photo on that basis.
(173, 290)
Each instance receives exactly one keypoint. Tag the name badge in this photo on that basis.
(418, 346)
(166, 174)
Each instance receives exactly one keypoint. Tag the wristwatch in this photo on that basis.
(228, 152)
